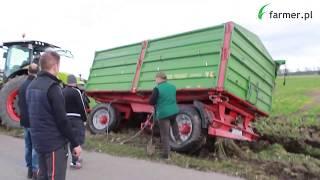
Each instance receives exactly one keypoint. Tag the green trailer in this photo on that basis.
(224, 77)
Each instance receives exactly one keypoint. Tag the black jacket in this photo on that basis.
(75, 104)
(22, 103)
(50, 129)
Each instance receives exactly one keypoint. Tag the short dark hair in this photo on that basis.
(161, 75)
(33, 68)
(71, 79)
(48, 59)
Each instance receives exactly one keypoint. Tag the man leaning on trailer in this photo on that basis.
(164, 99)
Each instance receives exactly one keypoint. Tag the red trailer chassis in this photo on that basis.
(222, 113)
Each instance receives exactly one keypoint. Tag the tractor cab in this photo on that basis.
(17, 58)
(18, 55)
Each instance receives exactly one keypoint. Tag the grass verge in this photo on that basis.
(294, 95)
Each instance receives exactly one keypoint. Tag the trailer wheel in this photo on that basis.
(189, 124)
(103, 118)
(9, 110)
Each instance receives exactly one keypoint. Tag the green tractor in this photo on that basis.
(18, 56)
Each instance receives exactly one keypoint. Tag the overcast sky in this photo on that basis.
(84, 26)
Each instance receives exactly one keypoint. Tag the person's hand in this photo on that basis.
(77, 151)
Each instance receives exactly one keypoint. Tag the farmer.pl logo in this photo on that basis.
(271, 14)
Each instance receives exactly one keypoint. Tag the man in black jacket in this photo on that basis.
(50, 129)
(31, 157)
(76, 113)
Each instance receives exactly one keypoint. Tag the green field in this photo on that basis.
(299, 95)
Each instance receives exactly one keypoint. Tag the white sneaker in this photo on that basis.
(77, 165)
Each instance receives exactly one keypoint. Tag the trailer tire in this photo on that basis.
(9, 110)
(103, 118)
(192, 141)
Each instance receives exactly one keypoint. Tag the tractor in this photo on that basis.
(18, 56)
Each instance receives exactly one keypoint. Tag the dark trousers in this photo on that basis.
(78, 130)
(53, 165)
(164, 125)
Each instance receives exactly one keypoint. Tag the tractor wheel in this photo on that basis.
(189, 124)
(103, 118)
(9, 110)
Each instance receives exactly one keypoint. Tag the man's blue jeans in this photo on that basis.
(31, 156)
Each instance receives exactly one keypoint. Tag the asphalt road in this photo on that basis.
(99, 166)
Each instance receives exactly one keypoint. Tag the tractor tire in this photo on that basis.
(9, 110)
(191, 134)
(103, 118)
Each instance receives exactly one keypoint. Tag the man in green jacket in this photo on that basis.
(164, 99)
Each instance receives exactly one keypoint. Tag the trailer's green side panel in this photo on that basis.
(190, 60)
(251, 71)
(114, 69)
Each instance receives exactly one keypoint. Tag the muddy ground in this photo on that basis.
(286, 150)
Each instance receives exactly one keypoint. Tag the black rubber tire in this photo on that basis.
(114, 119)
(8, 87)
(196, 139)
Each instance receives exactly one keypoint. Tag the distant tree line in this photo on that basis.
(305, 71)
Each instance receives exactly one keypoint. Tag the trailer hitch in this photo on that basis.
(218, 98)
